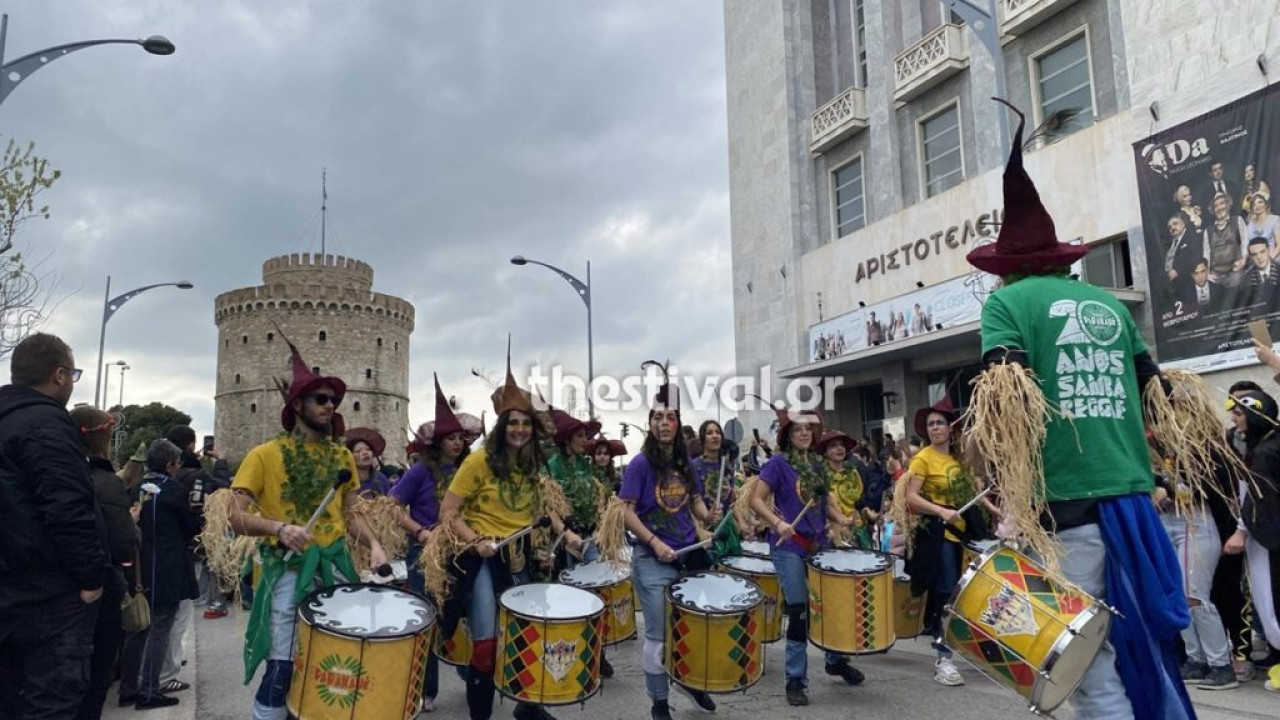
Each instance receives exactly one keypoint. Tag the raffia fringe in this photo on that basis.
(611, 531)
(382, 516)
(1007, 419)
(225, 552)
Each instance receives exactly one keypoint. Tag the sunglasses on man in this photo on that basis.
(322, 399)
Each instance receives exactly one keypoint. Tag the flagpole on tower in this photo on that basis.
(324, 206)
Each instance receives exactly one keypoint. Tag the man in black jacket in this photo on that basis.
(168, 570)
(53, 555)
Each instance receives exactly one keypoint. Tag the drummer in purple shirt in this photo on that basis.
(793, 477)
(663, 500)
(441, 446)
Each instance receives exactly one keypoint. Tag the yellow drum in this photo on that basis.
(756, 548)
(1026, 632)
(975, 549)
(362, 653)
(455, 649)
(713, 632)
(549, 644)
(851, 601)
(908, 612)
(612, 583)
(763, 573)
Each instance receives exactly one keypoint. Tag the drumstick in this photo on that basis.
(344, 476)
(819, 493)
(720, 481)
(977, 499)
(541, 523)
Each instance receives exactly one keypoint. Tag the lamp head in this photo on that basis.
(158, 45)
(185, 285)
(518, 260)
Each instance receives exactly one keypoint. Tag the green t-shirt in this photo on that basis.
(1080, 341)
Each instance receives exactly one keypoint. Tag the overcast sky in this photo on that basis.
(455, 134)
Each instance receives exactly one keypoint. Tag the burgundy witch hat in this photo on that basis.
(304, 382)
(1028, 242)
(446, 422)
(368, 436)
(943, 407)
(567, 425)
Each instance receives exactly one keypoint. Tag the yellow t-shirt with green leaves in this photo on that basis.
(292, 497)
(489, 507)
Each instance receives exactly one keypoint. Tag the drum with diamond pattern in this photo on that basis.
(612, 583)
(851, 601)
(549, 643)
(763, 573)
(714, 630)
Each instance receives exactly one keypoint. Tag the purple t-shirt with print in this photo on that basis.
(783, 482)
(662, 506)
(417, 489)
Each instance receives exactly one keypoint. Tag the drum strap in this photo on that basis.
(797, 623)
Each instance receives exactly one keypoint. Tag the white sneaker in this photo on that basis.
(945, 673)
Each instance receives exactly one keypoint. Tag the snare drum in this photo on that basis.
(362, 653)
(763, 573)
(851, 601)
(908, 612)
(549, 644)
(975, 549)
(1024, 631)
(455, 649)
(612, 582)
(756, 548)
(713, 632)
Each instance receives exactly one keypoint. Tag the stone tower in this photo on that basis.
(326, 305)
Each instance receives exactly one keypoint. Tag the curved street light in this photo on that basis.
(123, 367)
(584, 291)
(109, 308)
(106, 381)
(12, 73)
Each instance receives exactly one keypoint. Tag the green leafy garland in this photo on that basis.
(310, 469)
(578, 478)
(812, 473)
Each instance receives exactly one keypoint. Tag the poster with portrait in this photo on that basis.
(1211, 231)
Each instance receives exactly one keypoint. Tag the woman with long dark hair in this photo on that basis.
(714, 446)
(663, 500)
(797, 482)
(936, 486)
(603, 451)
(495, 494)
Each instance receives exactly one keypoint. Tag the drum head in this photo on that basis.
(850, 562)
(715, 593)
(755, 548)
(551, 602)
(753, 565)
(597, 574)
(982, 546)
(1071, 657)
(367, 611)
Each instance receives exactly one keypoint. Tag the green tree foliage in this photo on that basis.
(144, 424)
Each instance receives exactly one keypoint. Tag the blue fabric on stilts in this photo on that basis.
(1144, 584)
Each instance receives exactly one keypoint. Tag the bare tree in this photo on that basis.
(24, 294)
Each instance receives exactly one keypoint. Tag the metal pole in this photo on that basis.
(122, 369)
(102, 341)
(4, 34)
(106, 392)
(591, 367)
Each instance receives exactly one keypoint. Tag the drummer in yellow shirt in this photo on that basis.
(278, 487)
(936, 485)
(494, 494)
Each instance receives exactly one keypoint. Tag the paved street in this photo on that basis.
(898, 687)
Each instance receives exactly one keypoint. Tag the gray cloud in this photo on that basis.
(456, 134)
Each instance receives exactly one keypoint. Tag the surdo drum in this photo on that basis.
(361, 653)
(612, 583)
(549, 643)
(851, 601)
(713, 640)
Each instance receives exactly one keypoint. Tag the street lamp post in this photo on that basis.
(123, 367)
(106, 383)
(109, 307)
(15, 71)
(981, 19)
(584, 291)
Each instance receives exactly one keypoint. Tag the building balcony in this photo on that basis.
(939, 55)
(845, 115)
(1019, 16)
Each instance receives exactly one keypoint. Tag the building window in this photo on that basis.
(397, 346)
(860, 40)
(943, 161)
(379, 342)
(237, 378)
(356, 406)
(271, 336)
(323, 336)
(1107, 265)
(851, 212)
(244, 339)
(1064, 88)
(253, 408)
(316, 369)
(368, 373)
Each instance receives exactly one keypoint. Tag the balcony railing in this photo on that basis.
(845, 115)
(939, 55)
(1019, 16)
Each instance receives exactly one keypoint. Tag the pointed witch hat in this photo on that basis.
(510, 396)
(304, 382)
(943, 407)
(446, 422)
(567, 425)
(1028, 242)
(786, 417)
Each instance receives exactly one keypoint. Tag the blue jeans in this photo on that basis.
(1101, 693)
(650, 579)
(944, 582)
(795, 591)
